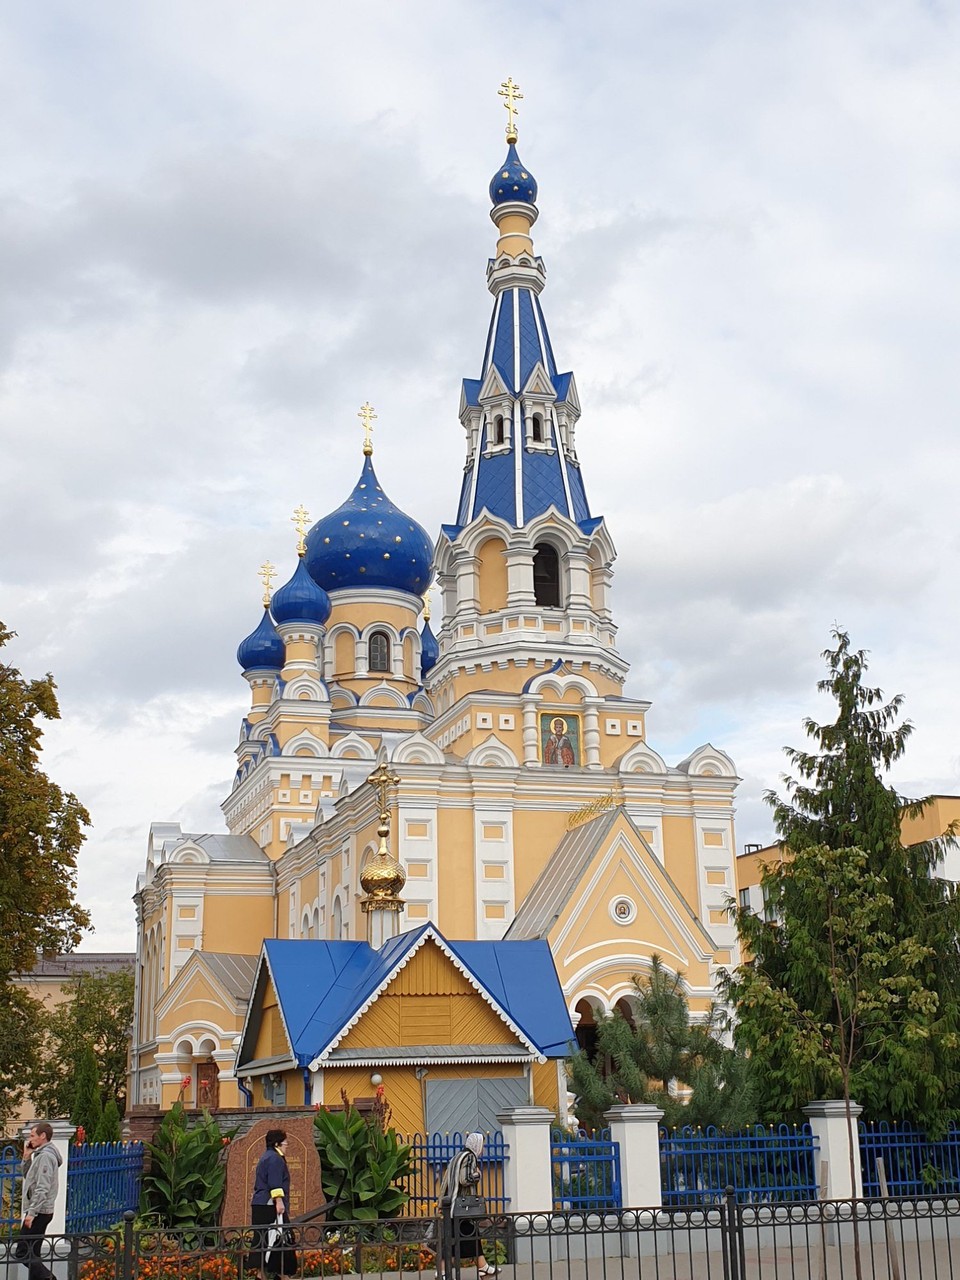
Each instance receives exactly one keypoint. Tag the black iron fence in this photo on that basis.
(894, 1239)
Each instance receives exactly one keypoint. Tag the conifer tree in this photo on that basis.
(854, 983)
(108, 1127)
(86, 1098)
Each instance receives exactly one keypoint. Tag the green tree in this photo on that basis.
(662, 1053)
(853, 985)
(86, 1110)
(98, 1015)
(108, 1128)
(41, 831)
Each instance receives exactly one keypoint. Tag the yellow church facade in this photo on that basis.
(529, 802)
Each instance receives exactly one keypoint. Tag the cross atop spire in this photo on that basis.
(367, 417)
(267, 574)
(510, 92)
(301, 521)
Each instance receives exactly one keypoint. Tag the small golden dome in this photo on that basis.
(382, 877)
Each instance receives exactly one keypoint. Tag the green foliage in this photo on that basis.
(86, 1110)
(98, 1016)
(108, 1128)
(853, 989)
(361, 1159)
(20, 1016)
(41, 830)
(188, 1171)
(662, 1050)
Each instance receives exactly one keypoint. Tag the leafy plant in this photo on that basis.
(361, 1160)
(188, 1172)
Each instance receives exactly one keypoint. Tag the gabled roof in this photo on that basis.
(567, 867)
(324, 988)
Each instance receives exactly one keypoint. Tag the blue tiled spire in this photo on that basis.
(511, 473)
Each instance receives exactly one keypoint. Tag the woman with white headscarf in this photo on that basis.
(462, 1178)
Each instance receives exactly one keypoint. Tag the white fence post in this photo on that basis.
(636, 1127)
(63, 1131)
(828, 1120)
(527, 1175)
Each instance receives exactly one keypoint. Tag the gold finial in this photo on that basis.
(426, 607)
(383, 877)
(367, 417)
(301, 520)
(383, 779)
(267, 574)
(511, 93)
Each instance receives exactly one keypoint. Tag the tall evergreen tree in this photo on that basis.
(86, 1097)
(814, 995)
(663, 1054)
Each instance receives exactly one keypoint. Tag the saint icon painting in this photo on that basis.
(560, 739)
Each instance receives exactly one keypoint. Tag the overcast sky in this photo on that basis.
(224, 226)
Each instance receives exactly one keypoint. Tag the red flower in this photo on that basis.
(81, 1134)
(185, 1082)
(224, 1142)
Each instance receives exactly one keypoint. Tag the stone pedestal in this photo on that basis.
(528, 1180)
(828, 1120)
(636, 1127)
(302, 1160)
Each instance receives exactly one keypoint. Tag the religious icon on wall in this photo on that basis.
(560, 739)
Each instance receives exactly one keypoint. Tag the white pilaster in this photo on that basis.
(636, 1127)
(531, 755)
(591, 732)
(528, 1179)
(828, 1120)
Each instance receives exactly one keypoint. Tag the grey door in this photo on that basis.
(460, 1106)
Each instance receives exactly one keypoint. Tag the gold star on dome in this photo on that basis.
(510, 92)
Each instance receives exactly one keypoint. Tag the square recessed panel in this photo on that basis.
(484, 720)
(613, 728)
(506, 722)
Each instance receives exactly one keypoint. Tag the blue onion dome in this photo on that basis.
(263, 650)
(512, 181)
(368, 542)
(429, 649)
(300, 599)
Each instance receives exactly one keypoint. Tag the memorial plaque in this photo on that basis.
(302, 1161)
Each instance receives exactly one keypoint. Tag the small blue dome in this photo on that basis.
(368, 542)
(429, 649)
(512, 181)
(263, 650)
(300, 599)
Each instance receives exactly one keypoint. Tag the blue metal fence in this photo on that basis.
(586, 1169)
(103, 1181)
(9, 1189)
(764, 1165)
(431, 1155)
(914, 1164)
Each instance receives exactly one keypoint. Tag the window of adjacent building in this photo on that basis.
(378, 652)
(546, 575)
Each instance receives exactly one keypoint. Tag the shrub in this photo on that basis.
(188, 1172)
(361, 1160)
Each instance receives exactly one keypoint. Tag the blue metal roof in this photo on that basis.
(300, 599)
(512, 181)
(262, 650)
(321, 985)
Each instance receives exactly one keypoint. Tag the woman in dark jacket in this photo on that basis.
(271, 1195)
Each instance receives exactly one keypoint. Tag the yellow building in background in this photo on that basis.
(530, 804)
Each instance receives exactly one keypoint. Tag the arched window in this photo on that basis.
(337, 930)
(546, 575)
(537, 430)
(498, 436)
(378, 652)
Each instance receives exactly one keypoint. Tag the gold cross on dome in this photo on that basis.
(301, 521)
(383, 779)
(367, 417)
(267, 573)
(510, 92)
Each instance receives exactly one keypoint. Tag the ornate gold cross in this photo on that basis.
(383, 779)
(301, 521)
(367, 417)
(511, 93)
(267, 574)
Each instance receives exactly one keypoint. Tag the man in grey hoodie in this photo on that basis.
(41, 1182)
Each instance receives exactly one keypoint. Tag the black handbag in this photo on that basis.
(468, 1207)
(281, 1259)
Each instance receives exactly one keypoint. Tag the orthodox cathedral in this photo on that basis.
(401, 781)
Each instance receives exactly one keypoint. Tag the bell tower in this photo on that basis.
(524, 572)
